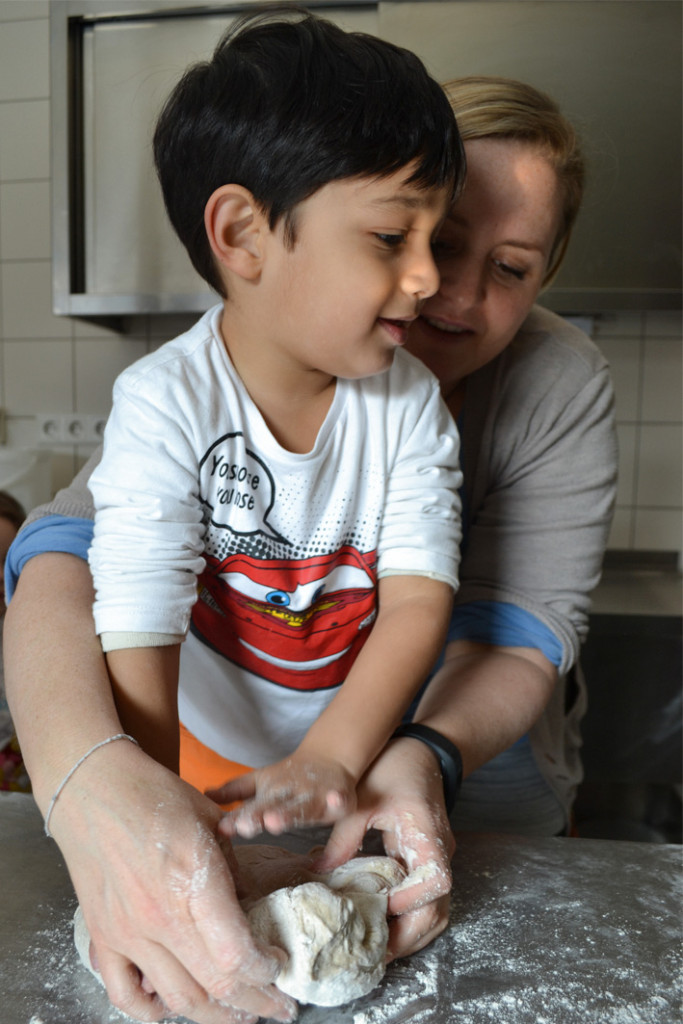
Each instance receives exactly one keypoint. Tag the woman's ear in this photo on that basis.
(235, 226)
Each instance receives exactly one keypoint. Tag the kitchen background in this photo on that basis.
(59, 365)
(56, 375)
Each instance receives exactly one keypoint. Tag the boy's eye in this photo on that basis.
(392, 241)
(509, 271)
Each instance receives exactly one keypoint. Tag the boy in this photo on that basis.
(282, 479)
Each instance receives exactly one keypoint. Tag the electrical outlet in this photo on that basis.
(95, 428)
(70, 428)
(50, 429)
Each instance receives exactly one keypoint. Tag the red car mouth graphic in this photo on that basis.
(299, 625)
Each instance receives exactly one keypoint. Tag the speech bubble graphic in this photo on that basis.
(238, 488)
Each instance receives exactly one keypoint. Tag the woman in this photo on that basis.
(533, 400)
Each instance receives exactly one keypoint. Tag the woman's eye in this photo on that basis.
(509, 271)
(441, 250)
(390, 240)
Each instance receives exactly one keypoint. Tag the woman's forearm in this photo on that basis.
(484, 698)
(55, 674)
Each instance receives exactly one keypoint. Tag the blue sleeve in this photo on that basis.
(503, 625)
(51, 533)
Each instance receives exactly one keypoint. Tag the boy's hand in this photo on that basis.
(296, 792)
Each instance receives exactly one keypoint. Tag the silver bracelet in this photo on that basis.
(62, 784)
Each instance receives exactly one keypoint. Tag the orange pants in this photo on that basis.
(202, 767)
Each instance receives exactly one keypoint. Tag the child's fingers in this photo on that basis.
(245, 825)
(336, 804)
(277, 815)
(242, 788)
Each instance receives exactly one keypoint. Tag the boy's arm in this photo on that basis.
(317, 783)
(402, 648)
(144, 682)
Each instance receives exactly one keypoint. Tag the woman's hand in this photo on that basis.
(158, 896)
(401, 795)
(301, 790)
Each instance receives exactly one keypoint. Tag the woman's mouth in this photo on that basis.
(446, 326)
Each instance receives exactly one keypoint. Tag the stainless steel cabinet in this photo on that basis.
(614, 66)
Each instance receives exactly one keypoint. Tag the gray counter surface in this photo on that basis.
(542, 931)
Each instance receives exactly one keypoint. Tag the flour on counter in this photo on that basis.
(53, 948)
(557, 932)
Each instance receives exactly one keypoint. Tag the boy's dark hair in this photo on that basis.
(288, 104)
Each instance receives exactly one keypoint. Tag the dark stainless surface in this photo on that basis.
(542, 931)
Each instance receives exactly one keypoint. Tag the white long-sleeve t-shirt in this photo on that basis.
(269, 557)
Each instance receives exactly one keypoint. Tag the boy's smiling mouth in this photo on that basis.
(397, 328)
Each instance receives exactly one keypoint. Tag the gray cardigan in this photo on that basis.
(539, 459)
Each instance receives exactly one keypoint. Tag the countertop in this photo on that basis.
(647, 591)
(542, 931)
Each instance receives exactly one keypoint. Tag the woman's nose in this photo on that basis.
(462, 284)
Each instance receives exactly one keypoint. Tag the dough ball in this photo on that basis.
(262, 869)
(366, 874)
(336, 942)
(333, 927)
(82, 942)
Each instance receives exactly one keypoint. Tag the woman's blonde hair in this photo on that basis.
(487, 105)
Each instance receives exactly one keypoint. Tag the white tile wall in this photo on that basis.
(25, 224)
(58, 364)
(24, 57)
(662, 395)
(38, 376)
(646, 357)
(27, 124)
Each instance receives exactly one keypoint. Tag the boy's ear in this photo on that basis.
(235, 226)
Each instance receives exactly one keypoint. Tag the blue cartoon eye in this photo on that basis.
(279, 597)
(319, 593)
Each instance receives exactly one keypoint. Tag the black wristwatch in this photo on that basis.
(450, 759)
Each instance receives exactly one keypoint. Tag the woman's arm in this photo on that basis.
(484, 698)
(136, 839)
(56, 677)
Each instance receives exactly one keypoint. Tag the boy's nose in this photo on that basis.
(422, 276)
